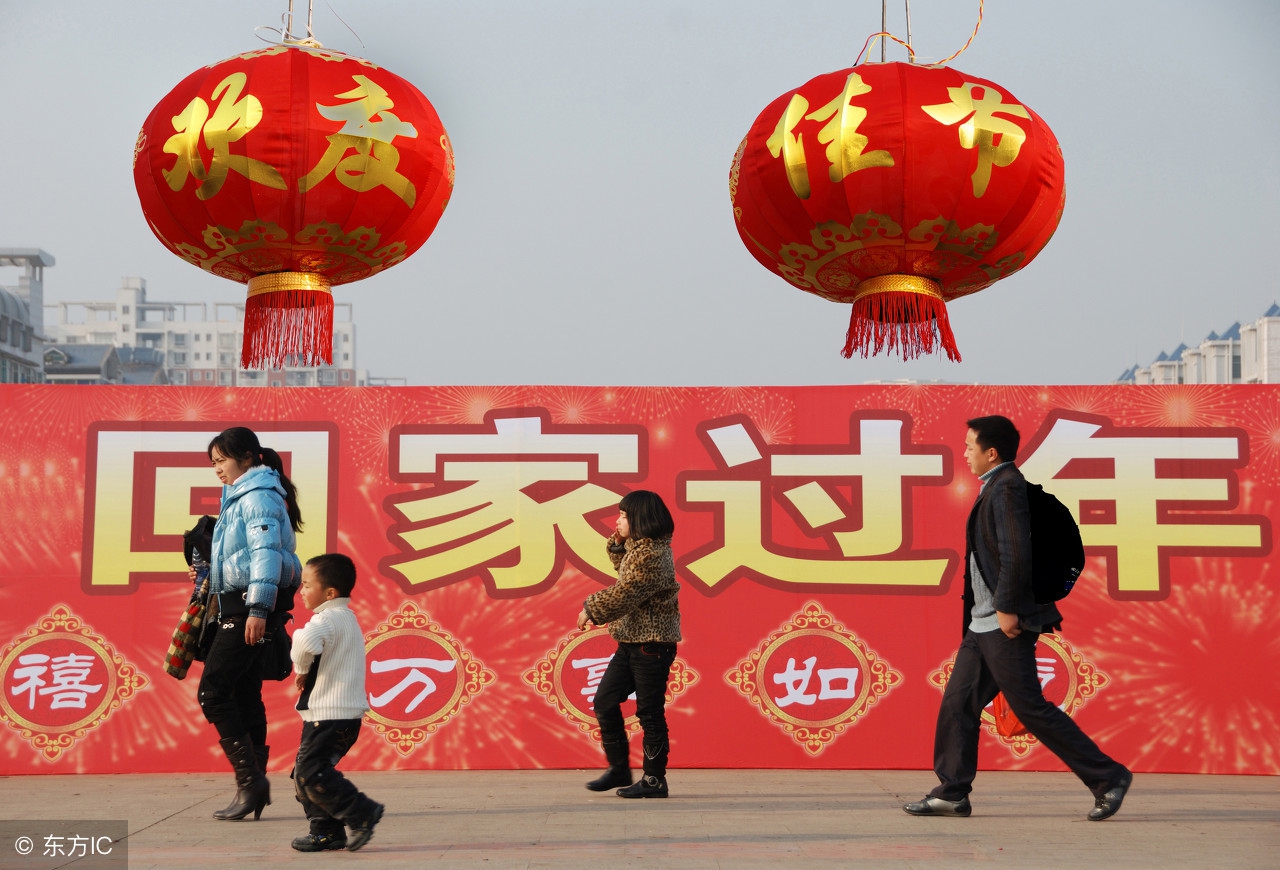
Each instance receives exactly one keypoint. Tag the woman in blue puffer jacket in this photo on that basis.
(253, 572)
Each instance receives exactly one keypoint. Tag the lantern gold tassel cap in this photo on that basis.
(288, 321)
(902, 313)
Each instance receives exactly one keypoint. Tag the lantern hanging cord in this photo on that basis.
(285, 35)
(865, 53)
(866, 46)
(972, 36)
(285, 31)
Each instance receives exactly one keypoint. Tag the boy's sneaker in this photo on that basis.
(363, 830)
(647, 786)
(319, 842)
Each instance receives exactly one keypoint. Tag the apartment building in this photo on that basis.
(197, 342)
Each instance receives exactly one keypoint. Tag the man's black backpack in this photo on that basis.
(1057, 553)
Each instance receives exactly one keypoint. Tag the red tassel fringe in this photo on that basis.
(909, 323)
(288, 328)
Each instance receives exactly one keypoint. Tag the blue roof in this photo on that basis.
(140, 356)
(83, 355)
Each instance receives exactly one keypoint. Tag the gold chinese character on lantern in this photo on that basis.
(845, 145)
(982, 128)
(235, 117)
(375, 159)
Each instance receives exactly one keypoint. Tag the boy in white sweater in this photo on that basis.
(328, 658)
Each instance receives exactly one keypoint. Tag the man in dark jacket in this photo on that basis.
(1002, 624)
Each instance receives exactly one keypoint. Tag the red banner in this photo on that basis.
(819, 536)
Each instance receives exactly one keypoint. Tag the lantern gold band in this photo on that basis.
(284, 282)
(896, 284)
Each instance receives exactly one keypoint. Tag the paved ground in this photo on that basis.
(714, 819)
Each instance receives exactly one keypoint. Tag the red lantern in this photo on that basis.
(897, 188)
(292, 169)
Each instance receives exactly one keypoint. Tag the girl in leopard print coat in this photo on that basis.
(642, 610)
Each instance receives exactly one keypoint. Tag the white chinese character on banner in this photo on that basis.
(414, 677)
(66, 683)
(833, 682)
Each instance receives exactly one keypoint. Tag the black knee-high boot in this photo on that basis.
(253, 792)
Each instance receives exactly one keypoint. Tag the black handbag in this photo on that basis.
(277, 657)
(208, 630)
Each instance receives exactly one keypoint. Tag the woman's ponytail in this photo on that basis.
(271, 459)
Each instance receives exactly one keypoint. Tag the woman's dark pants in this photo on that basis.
(231, 684)
(642, 668)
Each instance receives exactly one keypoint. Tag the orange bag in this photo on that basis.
(1007, 724)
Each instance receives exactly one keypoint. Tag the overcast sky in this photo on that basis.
(590, 240)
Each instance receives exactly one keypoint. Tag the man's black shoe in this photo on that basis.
(645, 787)
(1109, 804)
(933, 806)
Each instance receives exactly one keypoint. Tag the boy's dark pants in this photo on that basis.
(328, 798)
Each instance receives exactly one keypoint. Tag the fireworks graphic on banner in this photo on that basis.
(1261, 416)
(1090, 400)
(469, 405)
(1183, 406)
(650, 405)
(572, 406)
(1198, 677)
(926, 405)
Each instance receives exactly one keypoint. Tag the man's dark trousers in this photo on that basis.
(990, 662)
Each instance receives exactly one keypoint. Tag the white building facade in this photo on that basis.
(1260, 349)
(1244, 354)
(197, 349)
